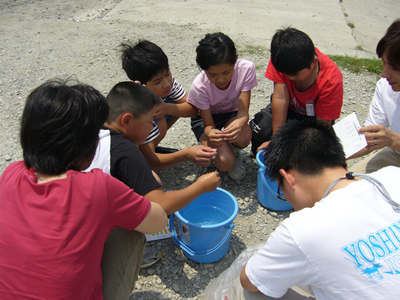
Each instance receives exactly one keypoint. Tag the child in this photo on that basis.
(147, 63)
(307, 84)
(56, 219)
(222, 94)
(132, 109)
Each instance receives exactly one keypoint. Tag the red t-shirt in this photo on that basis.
(326, 92)
(52, 234)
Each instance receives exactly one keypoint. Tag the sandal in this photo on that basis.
(150, 257)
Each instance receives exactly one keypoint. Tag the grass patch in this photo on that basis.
(351, 25)
(357, 65)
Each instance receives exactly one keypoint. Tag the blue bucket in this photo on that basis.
(267, 189)
(205, 226)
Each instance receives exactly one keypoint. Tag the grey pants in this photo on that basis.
(122, 258)
(385, 157)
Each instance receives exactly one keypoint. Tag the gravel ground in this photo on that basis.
(41, 40)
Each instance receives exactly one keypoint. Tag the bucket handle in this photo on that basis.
(189, 250)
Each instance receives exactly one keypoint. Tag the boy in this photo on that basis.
(147, 63)
(307, 84)
(132, 111)
(344, 244)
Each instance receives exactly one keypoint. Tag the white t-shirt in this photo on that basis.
(385, 107)
(204, 95)
(346, 247)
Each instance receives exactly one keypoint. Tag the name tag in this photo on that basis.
(310, 108)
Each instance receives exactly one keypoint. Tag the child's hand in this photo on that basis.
(232, 131)
(200, 155)
(160, 112)
(216, 138)
(137, 81)
(209, 181)
(263, 146)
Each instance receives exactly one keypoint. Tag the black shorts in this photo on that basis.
(261, 125)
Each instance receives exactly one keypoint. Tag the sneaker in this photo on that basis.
(238, 172)
(150, 257)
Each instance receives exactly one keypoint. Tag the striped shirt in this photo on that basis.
(176, 94)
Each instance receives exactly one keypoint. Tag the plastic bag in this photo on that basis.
(223, 287)
(227, 285)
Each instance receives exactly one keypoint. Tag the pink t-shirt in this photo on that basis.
(205, 95)
(52, 234)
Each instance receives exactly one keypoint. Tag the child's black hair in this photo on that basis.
(214, 49)
(130, 97)
(307, 146)
(390, 44)
(143, 60)
(60, 126)
(291, 51)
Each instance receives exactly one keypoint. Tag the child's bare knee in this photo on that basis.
(225, 163)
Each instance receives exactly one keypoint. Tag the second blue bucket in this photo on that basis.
(267, 190)
(205, 226)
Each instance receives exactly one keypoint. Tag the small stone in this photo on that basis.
(165, 261)
(175, 286)
(151, 271)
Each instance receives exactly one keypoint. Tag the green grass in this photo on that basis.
(351, 25)
(357, 65)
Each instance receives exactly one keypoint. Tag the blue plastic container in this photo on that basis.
(205, 226)
(267, 189)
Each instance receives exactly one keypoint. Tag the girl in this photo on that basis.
(222, 93)
(56, 219)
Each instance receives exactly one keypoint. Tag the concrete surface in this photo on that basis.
(255, 21)
(371, 19)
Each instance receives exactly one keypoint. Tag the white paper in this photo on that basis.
(163, 234)
(347, 131)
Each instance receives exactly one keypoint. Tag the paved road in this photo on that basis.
(325, 21)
